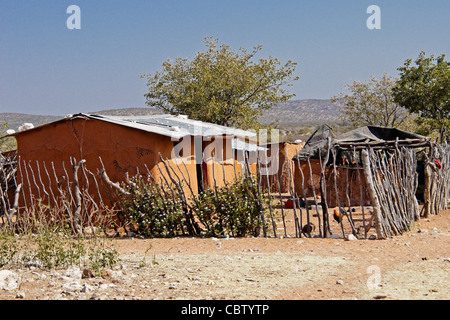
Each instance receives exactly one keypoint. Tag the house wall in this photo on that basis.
(122, 149)
(347, 181)
(285, 173)
(223, 164)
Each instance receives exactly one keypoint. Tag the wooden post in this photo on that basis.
(281, 200)
(372, 193)
(77, 213)
(304, 199)
(315, 197)
(337, 191)
(323, 192)
(427, 188)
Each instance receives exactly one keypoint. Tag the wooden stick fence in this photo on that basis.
(37, 191)
(52, 197)
(437, 180)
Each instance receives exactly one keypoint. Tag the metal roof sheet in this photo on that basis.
(174, 126)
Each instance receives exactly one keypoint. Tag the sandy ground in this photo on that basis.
(414, 266)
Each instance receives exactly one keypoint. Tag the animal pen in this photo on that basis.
(359, 170)
(381, 173)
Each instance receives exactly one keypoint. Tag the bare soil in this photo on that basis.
(413, 266)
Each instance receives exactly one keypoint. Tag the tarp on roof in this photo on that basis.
(374, 133)
(315, 143)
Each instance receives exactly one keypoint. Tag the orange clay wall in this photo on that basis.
(121, 149)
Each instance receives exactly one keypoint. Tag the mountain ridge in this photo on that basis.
(291, 113)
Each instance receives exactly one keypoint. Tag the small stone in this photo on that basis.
(87, 273)
(106, 274)
(373, 237)
(71, 286)
(73, 273)
(350, 237)
(340, 282)
(20, 295)
(34, 264)
(9, 280)
(380, 296)
(94, 297)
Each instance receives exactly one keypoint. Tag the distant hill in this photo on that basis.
(291, 113)
(15, 120)
(303, 112)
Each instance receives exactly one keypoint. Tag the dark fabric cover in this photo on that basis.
(318, 140)
(373, 133)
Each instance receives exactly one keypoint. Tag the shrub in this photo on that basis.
(235, 209)
(51, 247)
(152, 210)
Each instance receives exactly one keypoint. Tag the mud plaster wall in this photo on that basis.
(227, 165)
(121, 149)
(286, 151)
(347, 181)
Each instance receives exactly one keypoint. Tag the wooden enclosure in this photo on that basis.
(80, 166)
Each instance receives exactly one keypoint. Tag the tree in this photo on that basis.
(371, 103)
(221, 85)
(425, 89)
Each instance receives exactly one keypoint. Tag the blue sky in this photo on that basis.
(45, 68)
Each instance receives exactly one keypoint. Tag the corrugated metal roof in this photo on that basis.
(246, 146)
(174, 126)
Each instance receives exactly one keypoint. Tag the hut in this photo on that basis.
(347, 147)
(121, 147)
(371, 165)
(308, 161)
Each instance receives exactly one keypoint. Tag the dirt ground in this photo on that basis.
(413, 266)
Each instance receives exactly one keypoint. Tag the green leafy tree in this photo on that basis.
(371, 103)
(424, 89)
(221, 85)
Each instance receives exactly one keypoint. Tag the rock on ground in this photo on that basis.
(9, 280)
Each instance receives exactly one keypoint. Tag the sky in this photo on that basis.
(48, 69)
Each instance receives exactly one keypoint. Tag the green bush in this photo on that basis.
(234, 209)
(50, 248)
(154, 211)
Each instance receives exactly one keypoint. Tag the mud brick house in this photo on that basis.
(132, 144)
